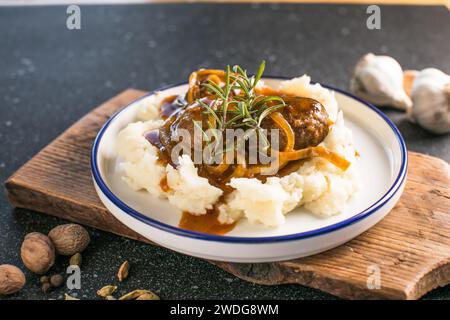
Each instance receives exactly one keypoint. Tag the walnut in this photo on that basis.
(12, 279)
(37, 252)
(69, 239)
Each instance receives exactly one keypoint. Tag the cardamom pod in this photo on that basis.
(148, 296)
(76, 260)
(137, 293)
(69, 297)
(106, 291)
(122, 274)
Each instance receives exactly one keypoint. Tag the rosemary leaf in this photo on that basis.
(260, 72)
(199, 126)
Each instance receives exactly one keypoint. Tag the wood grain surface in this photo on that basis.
(410, 247)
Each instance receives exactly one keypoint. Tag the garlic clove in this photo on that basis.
(430, 94)
(379, 80)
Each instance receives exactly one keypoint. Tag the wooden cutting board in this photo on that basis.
(409, 250)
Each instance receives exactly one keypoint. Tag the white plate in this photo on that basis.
(383, 162)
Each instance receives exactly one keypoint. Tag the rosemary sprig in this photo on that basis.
(237, 105)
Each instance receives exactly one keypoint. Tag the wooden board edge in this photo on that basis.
(62, 208)
(117, 99)
(277, 274)
(437, 276)
(264, 273)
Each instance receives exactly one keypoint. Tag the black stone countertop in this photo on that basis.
(51, 76)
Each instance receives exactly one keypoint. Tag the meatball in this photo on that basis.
(307, 118)
(170, 134)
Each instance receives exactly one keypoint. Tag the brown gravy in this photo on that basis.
(170, 105)
(164, 185)
(206, 223)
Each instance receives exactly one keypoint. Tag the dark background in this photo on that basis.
(50, 76)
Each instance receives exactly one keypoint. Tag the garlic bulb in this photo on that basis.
(379, 80)
(430, 94)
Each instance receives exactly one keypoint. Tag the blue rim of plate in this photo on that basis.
(291, 237)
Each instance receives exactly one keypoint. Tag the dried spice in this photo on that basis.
(148, 296)
(69, 297)
(37, 252)
(76, 260)
(124, 269)
(106, 291)
(69, 238)
(137, 293)
(12, 279)
(56, 280)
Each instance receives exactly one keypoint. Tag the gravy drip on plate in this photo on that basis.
(206, 223)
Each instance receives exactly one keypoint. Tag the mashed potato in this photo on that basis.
(189, 192)
(319, 186)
